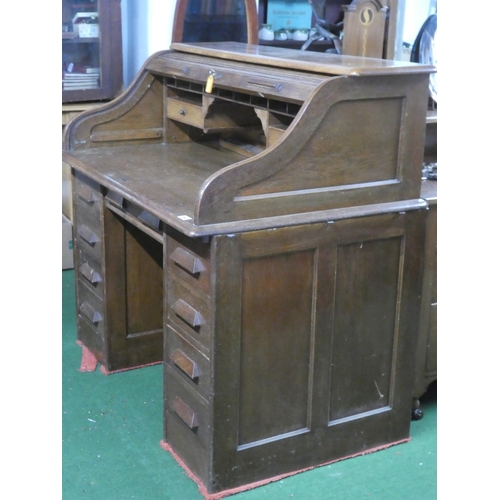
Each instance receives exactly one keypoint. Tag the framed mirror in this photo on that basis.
(215, 21)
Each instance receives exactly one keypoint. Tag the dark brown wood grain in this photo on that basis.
(280, 286)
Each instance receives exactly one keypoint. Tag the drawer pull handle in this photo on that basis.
(150, 219)
(90, 274)
(187, 415)
(87, 194)
(87, 234)
(270, 86)
(186, 364)
(90, 313)
(187, 261)
(189, 314)
(115, 198)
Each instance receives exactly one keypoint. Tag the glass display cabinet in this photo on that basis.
(91, 50)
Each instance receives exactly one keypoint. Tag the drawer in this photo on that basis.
(186, 112)
(91, 339)
(190, 260)
(87, 230)
(90, 272)
(189, 313)
(188, 362)
(187, 407)
(88, 197)
(91, 307)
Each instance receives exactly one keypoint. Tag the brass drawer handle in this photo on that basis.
(186, 364)
(187, 261)
(187, 415)
(87, 194)
(90, 274)
(90, 313)
(87, 234)
(189, 314)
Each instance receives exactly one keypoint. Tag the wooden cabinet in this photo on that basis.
(91, 50)
(301, 341)
(255, 219)
(426, 353)
(119, 278)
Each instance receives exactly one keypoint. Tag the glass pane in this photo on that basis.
(215, 21)
(80, 45)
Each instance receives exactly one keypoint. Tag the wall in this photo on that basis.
(146, 29)
(415, 14)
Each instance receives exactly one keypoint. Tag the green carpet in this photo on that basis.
(112, 426)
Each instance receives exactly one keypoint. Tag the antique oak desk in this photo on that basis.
(252, 217)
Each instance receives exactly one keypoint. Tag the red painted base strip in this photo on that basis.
(112, 372)
(89, 363)
(239, 489)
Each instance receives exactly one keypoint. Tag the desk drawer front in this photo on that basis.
(88, 198)
(187, 408)
(185, 112)
(91, 338)
(188, 362)
(88, 234)
(189, 263)
(91, 307)
(90, 272)
(189, 313)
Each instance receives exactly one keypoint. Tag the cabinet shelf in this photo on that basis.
(80, 40)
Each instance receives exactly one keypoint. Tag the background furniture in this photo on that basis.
(426, 354)
(91, 57)
(369, 26)
(260, 191)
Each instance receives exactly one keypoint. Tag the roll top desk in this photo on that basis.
(251, 216)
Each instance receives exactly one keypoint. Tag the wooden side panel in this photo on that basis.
(275, 345)
(136, 115)
(314, 340)
(357, 142)
(365, 327)
(134, 294)
(144, 281)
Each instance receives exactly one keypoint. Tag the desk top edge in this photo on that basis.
(316, 62)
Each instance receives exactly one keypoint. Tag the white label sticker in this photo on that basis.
(184, 217)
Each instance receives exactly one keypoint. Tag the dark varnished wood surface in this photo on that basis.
(290, 330)
(166, 179)
(166, 163)
(331, 64)
(163, 178)
(349, 373)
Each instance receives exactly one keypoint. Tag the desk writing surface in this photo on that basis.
(164, 178)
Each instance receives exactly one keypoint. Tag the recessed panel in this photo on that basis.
(144, 281)
(364, 327)
(332, 157)
(277, 297)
